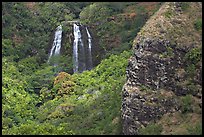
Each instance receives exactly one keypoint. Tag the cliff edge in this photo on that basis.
(165, 71)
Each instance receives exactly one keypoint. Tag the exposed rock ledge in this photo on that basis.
(156, 73)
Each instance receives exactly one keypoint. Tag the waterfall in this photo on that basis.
(78, 51)
(90, 65)
(82, 52)
(82, 56)
(75, 48)
(57, 43)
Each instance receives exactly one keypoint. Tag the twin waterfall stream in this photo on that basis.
(82, 53)
(55, 50)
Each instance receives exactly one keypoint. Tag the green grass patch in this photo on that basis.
(186, 104)
(195, 130)
(168, 14)
(198, 24)
(185, 6)
(152, 129)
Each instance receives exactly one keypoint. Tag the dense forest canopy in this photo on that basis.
(41, 98)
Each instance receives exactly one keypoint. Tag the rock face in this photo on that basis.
(158, 72)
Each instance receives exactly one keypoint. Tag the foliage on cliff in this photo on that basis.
(117, 23)
(38, 98)
(30, 26)
(164, 73)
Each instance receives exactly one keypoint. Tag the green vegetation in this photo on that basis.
(194, 55)
(186, 104)
(96, 98)
(41, 99)
(168, 14)
(191, 70)
(168, 53)
(94, 13)
(198, 24)
(185, 6)
(181, 124)
(38, 98)
(192, 58)
(151, 129)
(19, 20)
(116, 23)
(17, 104)
(195, 130)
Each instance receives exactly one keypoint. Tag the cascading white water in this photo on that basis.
(82, 54)
(90, 65)
(78, 49)
(77, 35)
(57, 43)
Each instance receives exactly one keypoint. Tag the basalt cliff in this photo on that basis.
(164, 74)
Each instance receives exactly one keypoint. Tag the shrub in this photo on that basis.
(28, 65)
(193, 89)
(67, 88)
(64, 83)
(198, 24)
(184, 6)
(152, 129)
(35, 128)
(17, 104)
(45, 94)
(41, 78)
(94, 13)
(7, 48)
(61, 77)
(192, 58)
(191, 69)
(186, 104)
(195, 130)
(168, 14)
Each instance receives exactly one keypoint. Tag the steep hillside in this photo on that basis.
(79, 104)
(116, 24)
(162, 94)
(39, 98)
(30, 26)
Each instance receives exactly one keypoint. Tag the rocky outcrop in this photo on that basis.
(158, 72)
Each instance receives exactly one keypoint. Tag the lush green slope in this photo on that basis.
(38, 100)
(93, 106)
(30, 27)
